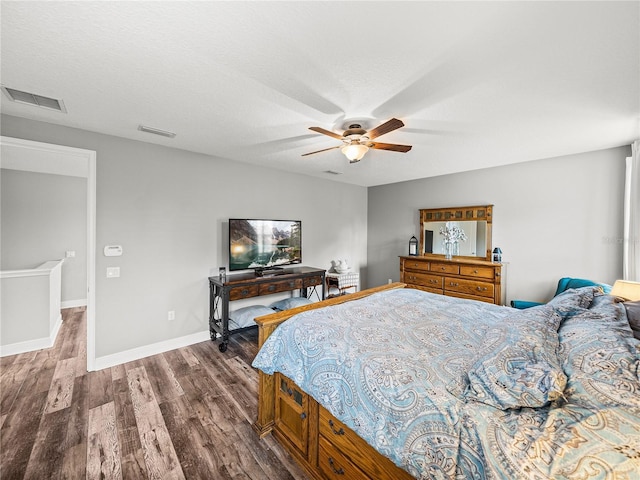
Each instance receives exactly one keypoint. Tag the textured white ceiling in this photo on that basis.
(477, 84)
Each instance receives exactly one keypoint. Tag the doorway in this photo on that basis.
(27, 155)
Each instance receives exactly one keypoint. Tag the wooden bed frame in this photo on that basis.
(324, 447)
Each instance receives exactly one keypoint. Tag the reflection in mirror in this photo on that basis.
(475, 221)
(474, 246)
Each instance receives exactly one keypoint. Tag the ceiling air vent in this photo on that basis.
(156, 131)
(19, 96)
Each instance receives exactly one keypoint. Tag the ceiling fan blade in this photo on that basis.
(323, 150)
(326, 132)
(390, 146)
(386, 127)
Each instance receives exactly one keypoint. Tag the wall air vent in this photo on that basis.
(333, 172)
(156, 131)
(19, 96)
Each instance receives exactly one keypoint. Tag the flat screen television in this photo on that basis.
(264, 244)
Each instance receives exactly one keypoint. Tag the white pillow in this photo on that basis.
(288, 303)
(244, 317)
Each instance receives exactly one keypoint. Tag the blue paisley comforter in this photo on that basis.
(458, 389)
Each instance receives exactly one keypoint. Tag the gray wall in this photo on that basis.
(43, 216)
(168, 209)
(552, 218)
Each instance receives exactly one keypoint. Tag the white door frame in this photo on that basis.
(19, 154)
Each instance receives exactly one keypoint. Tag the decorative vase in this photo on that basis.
(448, 251)
(451, 249)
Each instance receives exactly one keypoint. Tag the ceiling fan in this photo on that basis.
(357, 141)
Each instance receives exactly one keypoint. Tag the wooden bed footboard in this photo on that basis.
(320, 443)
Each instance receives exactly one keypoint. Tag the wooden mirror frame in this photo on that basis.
(458, 214)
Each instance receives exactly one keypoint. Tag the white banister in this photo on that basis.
(30, 309)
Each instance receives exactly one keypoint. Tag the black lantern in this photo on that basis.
(497, 254)
(413, 246)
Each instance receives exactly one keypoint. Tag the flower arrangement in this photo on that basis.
(452, 233)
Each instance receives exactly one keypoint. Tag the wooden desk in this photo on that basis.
(249, 285)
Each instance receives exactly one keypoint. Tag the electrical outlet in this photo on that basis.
(113, 272)
(171, 315)
(389, 281)
(70, 253)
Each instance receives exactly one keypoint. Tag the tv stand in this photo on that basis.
(249, 285)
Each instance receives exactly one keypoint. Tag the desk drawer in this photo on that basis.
(480, 272)
(334, 464)
(469, 297)
(423, 279)
(450, 268)
(237, 293)
(283, 286)
(311, 281)
(346, 448)
(469, 287)
(437, 291)
(416, 265)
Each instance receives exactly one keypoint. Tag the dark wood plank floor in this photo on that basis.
(186, 413)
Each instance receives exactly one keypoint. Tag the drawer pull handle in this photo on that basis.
(289, 391)
(443, 268)
(338, 471)
(292, 284)
(336, 432)
(245, 292)
(475, 271)
(452, 284)
(271, 288)
(303, 415)
(482, 289)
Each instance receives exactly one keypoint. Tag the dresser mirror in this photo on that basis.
(475, 222)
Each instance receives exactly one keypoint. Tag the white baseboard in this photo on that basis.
(74, 303)
(31, 345)
(148, 350)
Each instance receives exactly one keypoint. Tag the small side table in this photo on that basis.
(343, 282)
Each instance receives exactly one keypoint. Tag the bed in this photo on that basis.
(399, 383)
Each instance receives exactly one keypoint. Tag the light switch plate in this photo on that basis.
(112, 250)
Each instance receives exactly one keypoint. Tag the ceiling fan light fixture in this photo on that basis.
(355, 151)
(356, 141)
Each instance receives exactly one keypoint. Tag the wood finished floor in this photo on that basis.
(186, 414)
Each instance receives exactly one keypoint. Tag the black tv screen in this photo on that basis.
(263, 244)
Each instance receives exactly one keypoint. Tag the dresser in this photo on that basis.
(474, 279)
